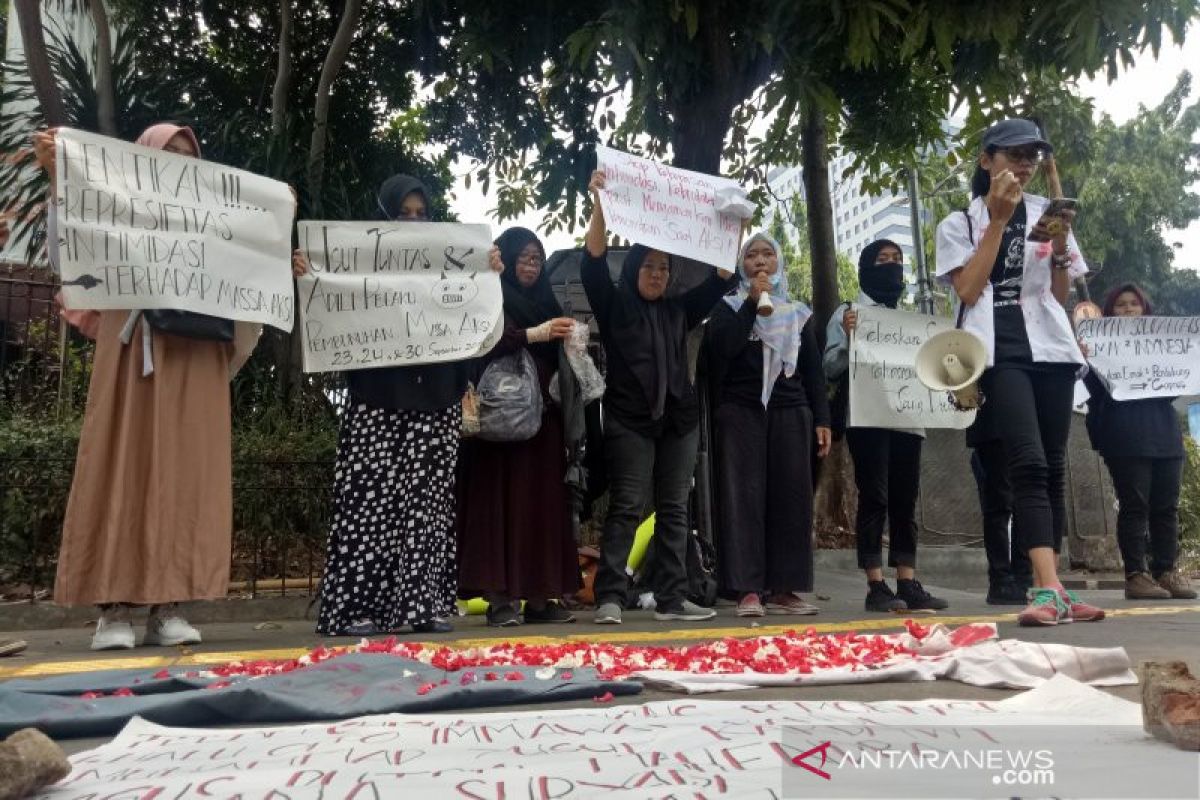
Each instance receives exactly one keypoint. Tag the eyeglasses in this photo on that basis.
(1028, 155)
(531, 261)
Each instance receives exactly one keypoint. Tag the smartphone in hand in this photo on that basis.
(1051, 222)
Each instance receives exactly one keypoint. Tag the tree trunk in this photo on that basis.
(334, 60)
(283, 73)
(37, 61)
(106, 112)
(815, 144)
(836, 500)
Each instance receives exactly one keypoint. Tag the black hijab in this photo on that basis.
(526, 306)
(883, 283)
(392, 193)
(654, 349)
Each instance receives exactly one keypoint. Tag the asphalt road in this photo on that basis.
(1148, 631)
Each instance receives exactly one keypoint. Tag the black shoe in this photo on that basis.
(1005, 593)
(916, 598)
(881, 598)
(434, 626)
(361, 628)
(503, 616)
(553, 612)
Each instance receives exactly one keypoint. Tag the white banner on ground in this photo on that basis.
(144, 228)
(667, 208)
(692, 748)
(884, 389)
(382, 294)
(1141, 357)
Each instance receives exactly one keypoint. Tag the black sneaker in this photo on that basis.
(1005, 593)
(916, 598)
(503, 616)
(881, 598)
(553, 612)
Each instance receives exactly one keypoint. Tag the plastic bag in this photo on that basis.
(591, 382)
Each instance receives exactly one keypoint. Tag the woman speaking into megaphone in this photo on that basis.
(1010, 257)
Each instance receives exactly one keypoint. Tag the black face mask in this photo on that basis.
(883, 283)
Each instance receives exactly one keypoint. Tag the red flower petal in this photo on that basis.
(604, 698)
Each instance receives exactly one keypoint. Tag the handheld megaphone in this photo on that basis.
(765, 307)
(952, 362)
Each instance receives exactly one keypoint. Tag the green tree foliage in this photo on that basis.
(789, 227)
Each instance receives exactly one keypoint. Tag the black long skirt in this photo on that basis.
(765, 499)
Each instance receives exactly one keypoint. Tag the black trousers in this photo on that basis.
(1148, 493)
(645, 471)
(764, 498)
(887, 472)
(1007, 560)
(1032, 408)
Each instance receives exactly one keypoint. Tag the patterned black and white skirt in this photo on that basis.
(391, 553)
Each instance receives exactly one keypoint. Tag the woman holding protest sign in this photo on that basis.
(1142, 446)
(149, 519)
(770, 405)
(514, 526)
(390, 560)
(887, 463)
(1011, 265)
(651, 413)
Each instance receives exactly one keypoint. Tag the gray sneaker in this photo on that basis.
(686, 611)
(607, 614)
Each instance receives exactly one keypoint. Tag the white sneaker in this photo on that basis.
(687, 611)
(169, 629)
(112, 633)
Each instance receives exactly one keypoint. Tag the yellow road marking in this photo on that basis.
(608, 635)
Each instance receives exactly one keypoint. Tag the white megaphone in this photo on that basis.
(765, 307)
(952, 361)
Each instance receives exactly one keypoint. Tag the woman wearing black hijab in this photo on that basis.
(390, 560)
(887, 462)
(651, 413)
(514, 527)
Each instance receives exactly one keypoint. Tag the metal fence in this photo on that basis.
(281, 507)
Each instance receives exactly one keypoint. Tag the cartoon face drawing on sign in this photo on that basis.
(455, 291)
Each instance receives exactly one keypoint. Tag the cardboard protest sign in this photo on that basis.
(1141, 357)
(141, 228)
(884, 389)
(381, 294)
(666, 208)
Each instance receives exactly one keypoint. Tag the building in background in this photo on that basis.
(859, 217)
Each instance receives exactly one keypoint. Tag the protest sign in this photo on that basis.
(140, 228)
(1141, 357)
(668, 209)
(681, 748)
(381, 294)
(884, 389)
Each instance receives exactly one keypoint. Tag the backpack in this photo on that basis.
(510, 399)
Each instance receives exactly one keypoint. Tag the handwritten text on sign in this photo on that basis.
(383, 294)
(884, 389)
(667, 209)
(145, 228)
(1140, 357)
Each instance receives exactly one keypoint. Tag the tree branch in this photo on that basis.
(37, 61)
(334, 60)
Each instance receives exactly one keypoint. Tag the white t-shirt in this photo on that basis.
(1051, 339)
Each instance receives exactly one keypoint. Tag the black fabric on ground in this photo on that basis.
(339, 688)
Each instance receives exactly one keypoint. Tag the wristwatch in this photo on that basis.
(1060, 261)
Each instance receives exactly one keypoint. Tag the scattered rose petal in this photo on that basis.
(514, 676)
(491, 676)
(162, 673)
(425, 688)
(566, 676)
(91, 695)
(123, 692)
(604, 698)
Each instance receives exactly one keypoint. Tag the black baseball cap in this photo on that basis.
(1014, 133)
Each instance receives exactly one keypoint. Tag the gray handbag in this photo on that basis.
(510, 399)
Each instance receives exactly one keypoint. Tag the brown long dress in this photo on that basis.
(150, 515)
(514, 531)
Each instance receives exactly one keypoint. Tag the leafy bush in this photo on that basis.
(1189, 499)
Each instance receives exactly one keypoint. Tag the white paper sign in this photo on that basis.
(144, 228)
(1071, 733)
(1140, 357)
(382, 294)
(666, 208)
(884, 389)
